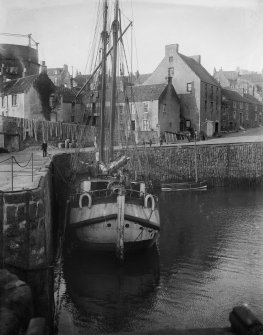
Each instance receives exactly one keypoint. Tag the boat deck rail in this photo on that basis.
(109, 195)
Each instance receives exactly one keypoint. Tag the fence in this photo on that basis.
(22, 165)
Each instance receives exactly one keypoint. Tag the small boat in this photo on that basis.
(186, 186)
(108, 211)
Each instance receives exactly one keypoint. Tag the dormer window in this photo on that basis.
(171, 59)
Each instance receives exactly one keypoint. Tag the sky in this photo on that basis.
(226, 33)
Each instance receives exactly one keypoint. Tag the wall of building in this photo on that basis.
(210, 107)
(169, 111)
(32, 105)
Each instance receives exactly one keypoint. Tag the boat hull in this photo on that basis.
(187, 186)
(96, 227)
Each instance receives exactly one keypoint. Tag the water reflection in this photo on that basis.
(211, 259)
(107, 297)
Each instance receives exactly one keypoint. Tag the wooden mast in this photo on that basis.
(115, 28)
(104, 36)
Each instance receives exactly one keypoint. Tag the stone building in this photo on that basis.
(27, 97)
(60, 76)
(199, 92)
(249, 82)
(143, 112)
(154, 109)
(65, 107)
(240, 110)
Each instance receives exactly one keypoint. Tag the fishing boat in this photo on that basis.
(108, 210)
(191, 185)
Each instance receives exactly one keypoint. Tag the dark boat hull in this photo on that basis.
(187, 186)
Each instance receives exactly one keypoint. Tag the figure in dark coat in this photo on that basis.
(44, 148)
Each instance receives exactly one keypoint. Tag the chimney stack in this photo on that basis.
(171, 49)
(197, 58)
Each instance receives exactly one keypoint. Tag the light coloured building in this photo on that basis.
(199, 92)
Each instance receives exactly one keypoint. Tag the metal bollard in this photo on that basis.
(37, 326)
(244, 322)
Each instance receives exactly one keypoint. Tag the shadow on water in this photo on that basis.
(104, 296)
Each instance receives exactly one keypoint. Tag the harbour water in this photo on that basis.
(209, 259)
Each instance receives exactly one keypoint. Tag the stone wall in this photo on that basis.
(220, 165)
(26, 226)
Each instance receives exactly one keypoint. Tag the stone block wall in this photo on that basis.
(26, 226)
(220, 165)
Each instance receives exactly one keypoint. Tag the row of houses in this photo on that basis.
(180, 95)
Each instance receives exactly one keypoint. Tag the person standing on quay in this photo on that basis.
(44, 148)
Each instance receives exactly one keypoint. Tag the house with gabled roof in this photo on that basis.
(199, 92)
(66, 107)
(27, 97)
(146, 111)
(60, 76)
(240, 110)
(153, 108)
(227, 79)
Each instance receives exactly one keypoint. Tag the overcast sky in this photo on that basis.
(227, 33)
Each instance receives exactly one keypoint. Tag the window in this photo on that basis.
(211, 105)
(14, 100)
(170, 71)
(187, 123)
(133, 109)
(256, 116)
(256, 108)
(234, 114)
(189, 87)
(247, 116)
(3, 102)
(121, 110)
(133, 125)
(145, 125)
(72, 118)
(205, 105)
(164, 108)
(241, 105)
(170, 124)
(246, 107)
(205, 90)
(171, 59)
(55, 81)
(234, 104)
(145, 107)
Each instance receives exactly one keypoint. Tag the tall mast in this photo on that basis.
(115, 29)
(104, 36)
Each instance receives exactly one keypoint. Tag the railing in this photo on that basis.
(21, 165)
(107, 193)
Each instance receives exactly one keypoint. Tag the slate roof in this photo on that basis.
(233, 95)
(252, 99)
(80, 80)
(68, 94)
(142, 93)
(199, 70)
(19, 85)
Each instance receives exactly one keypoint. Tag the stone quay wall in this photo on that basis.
(219, 165)
(26, 226)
